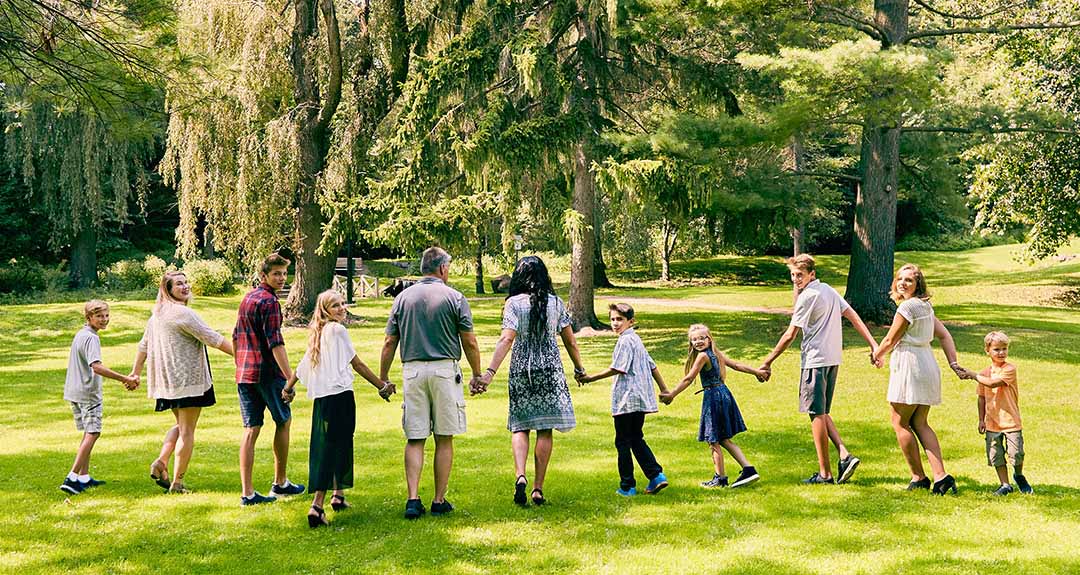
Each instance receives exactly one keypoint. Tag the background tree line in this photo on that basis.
(631, 132)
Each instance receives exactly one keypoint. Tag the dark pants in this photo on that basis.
(630, 442)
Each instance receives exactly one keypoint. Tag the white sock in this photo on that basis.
(72, 476)
(84, 478)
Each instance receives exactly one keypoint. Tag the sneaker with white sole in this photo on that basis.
(289, 488)
(72, 487)
(747, 476)
(256, 498)
(846, 468)
(716, 481)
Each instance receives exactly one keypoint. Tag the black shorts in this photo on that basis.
(816, 389)
(205, 400)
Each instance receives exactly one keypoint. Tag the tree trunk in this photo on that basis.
(314, 271)
(670, 235)
(874, 237)
(581, 307)
(83, 267)
(480, 244)
(600, 278)
(796, 162)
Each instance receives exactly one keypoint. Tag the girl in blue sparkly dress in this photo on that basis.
(720, 416)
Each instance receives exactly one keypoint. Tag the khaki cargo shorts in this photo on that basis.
(434, 399)
(1002, 443)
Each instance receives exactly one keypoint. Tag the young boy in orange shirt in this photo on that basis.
(999, 414)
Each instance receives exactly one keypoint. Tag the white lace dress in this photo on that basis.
(914, 375)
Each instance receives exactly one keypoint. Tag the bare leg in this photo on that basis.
(168, 445)
(281, 451)
(1003, 474)
(735, 452)
(819, 427)
(444, 461)
(320, 498)
(247, 460)
(414, 464)
(186, 419)
(544, 445)
(519, 442)
(900, 415)
(834, 436)
(82, 457)
(929, 440)
(717, 459)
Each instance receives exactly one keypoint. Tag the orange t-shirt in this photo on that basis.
(1002, 403)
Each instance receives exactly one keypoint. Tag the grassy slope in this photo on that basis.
(776, 526)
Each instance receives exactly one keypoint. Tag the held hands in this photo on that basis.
(288, 393)
(764, 372)
(961, 372)
(667, 397)
(130, 381)
(580, 376)
(477, 384)
(387, 390)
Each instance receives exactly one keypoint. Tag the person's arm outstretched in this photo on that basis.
(727, 361)
(386, 358)
(502, 347)
(985, 379)
(570, 343)
(949, 347)
(781, 345)
(130, 381)
(860, 327)
(385, 389)
(600, 375)
(897, 330)
(688, 379)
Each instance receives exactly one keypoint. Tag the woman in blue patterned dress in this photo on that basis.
(533, 317)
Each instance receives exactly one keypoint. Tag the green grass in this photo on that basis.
(776, 526)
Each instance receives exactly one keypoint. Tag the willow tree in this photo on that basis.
(250, 131)
(81, 115)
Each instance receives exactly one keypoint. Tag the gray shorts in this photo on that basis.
(87, 416)
(816, 389)
(434, 401)
(1000, 443)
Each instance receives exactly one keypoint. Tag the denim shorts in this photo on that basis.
(256, 398)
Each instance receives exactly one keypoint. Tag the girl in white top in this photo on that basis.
(914, 376)
(327, 372)
(178, 373)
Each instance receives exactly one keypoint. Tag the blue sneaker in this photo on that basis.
(656, 484)
(256, 499)
(71, 487)
(627, 492)
(92, 483)
(286, 490)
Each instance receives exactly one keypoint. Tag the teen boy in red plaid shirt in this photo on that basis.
(262, 368)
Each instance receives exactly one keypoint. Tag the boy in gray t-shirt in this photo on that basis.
(82, 389)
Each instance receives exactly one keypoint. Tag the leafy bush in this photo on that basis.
(22, 276)
(133, 275)
(209, 277)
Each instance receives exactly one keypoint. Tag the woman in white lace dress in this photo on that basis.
(914, 376)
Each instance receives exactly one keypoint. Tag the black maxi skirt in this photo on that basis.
(330, 458)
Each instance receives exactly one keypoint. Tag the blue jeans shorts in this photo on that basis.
(256, 398)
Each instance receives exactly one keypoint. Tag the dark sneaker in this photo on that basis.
(414, 508)
(286, 490)
(747, 476)
(716, 481)
(817, 479)
(256, 499)
(656, 484)
(92, 483)
(846, 468)
(1022, 484)
(1004, 490)
(441, 508)
(71, 487)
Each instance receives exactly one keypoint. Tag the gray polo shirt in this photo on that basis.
(427, 317)
(818, 310)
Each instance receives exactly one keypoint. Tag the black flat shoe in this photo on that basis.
(923, 483)
(519, 491)
(943, 486)
(338, 503)
(318, 519)
(538, 497)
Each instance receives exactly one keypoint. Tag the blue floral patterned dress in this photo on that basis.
(539, 396)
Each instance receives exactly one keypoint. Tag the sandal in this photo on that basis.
(338, 503)
(160, 474)
(178, 489)
(538, 496)
(319, 517)
(519, 490)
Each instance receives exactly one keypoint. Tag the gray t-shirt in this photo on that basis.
(632, 390)
(818, 311)
(427, 317)
(82, 384)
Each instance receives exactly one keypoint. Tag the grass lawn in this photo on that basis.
(776, 526)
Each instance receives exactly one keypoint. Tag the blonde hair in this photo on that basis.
(319, 318)
(692, 354)
(921, 291)
(804, 262)
(164, 294)
(995, 336)
(93, 306)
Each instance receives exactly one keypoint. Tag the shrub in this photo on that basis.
(22, 277)
(209, 277)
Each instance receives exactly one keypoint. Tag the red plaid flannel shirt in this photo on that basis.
(257, 332)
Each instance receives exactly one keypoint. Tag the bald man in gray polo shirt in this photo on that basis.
(433, 324)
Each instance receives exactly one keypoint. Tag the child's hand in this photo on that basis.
(982, 427)
(667, 397)
(582, 379)
(131, 382)
(762, 376)
(288, 394)
(387, 390)
(766, 371)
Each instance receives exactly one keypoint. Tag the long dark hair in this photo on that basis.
(531, 277)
